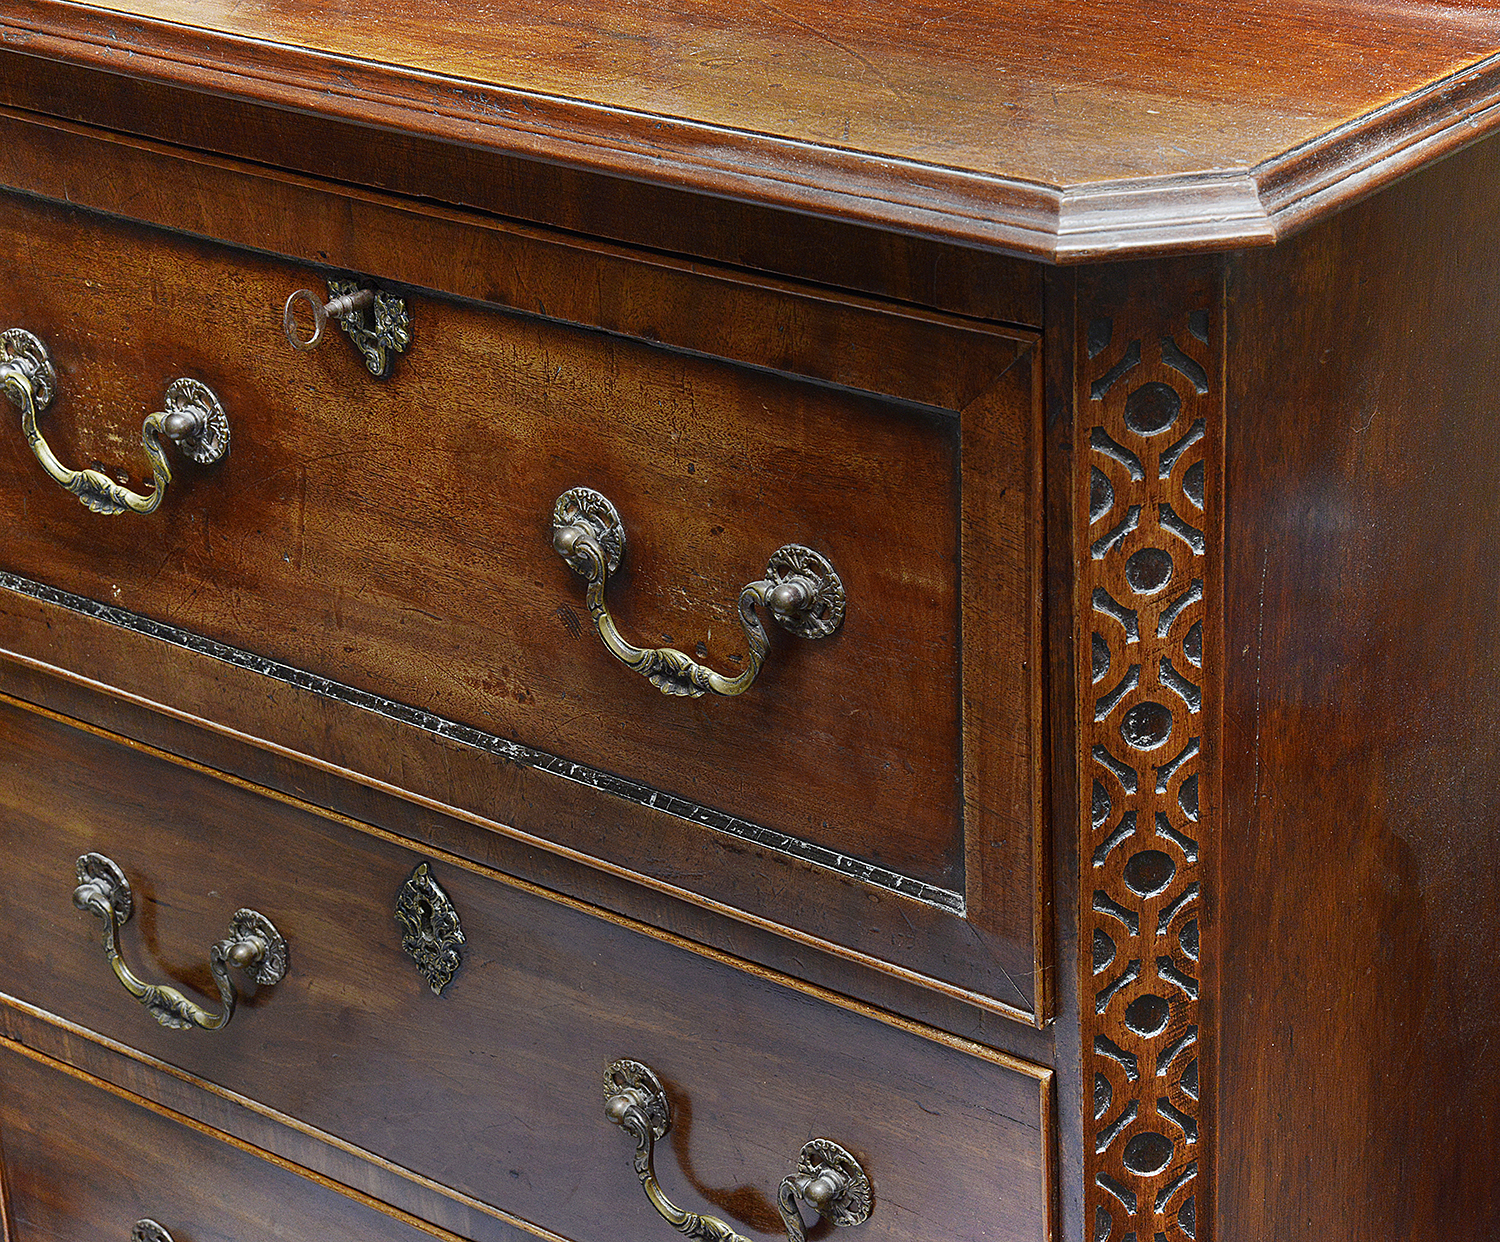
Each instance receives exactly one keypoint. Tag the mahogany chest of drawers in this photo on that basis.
(881, 627)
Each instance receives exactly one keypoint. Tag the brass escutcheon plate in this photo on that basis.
(431, 933)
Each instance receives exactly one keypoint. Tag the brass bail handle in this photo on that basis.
(194, 420)
(827, 1178)
(253, 945)
(801, 590)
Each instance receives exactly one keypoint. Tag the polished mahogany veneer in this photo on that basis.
(397, 543)
(86, 1159)
(1068, 130)
(1119, 869)
(493, 1089)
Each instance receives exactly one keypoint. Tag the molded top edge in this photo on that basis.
(1071, 131)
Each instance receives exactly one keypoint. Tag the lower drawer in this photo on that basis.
(84, 1163)
(493, 1088)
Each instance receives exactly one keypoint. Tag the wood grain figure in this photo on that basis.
(1119, 869)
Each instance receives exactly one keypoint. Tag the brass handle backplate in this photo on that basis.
(800, 590)
(376, 322)
(148, 1230)
(827, 1178)
(194, 420)
(253, 945)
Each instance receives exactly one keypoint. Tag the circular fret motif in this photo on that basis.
(1142, 567)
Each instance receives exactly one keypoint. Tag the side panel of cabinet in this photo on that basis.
(1358, 904)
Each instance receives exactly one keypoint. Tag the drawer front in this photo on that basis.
(396, 540)
(492, 1089)
(84, 1161)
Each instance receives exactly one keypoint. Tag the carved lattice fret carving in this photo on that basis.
(1149, 412)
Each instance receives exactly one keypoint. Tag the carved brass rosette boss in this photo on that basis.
(377, 323)
(148, 1230)
(828, 1179)
(253, 945)
(194, 421)
(800, 590)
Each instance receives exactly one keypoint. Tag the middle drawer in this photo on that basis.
(492, 1089)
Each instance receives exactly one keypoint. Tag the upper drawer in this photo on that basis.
(397, 538)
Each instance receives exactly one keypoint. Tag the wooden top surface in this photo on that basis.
(1070, 129)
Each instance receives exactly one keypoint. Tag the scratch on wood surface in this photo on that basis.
(847, 50)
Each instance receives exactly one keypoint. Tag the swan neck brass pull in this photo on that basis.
(252, 945)
(828, 1179)
(194, 420)
(376, 322)
(800, 590)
